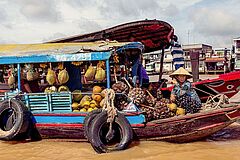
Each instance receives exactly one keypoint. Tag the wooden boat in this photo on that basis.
(50, 115)
(156, 35)
(227, 84)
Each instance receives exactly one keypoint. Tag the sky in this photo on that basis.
(212, 22)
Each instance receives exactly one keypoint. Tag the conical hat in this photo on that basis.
(181, 71)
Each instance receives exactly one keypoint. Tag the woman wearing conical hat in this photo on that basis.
(183, 94)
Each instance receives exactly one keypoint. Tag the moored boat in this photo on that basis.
(51, 115)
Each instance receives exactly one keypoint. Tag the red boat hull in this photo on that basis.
(176, 129)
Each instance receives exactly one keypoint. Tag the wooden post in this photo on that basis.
(161, 65)
(108, 73)
(19, 77)
(194, 57)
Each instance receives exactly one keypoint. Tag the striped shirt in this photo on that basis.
(177, 54)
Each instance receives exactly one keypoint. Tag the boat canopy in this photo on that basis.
(153, 34)
(59, 52)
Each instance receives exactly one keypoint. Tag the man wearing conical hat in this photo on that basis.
(183, 94)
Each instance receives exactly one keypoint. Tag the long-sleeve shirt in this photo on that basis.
(185, 89)
(177, 54)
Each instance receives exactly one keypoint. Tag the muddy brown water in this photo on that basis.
(224, 145)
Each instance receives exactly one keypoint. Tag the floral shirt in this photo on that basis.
(185, 89)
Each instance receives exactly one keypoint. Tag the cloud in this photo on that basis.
(81, 3)
(54, 36)
(171, 10)
(129, 9)
(2, 15)
(42, 10)
(215, 22)
(88, 25)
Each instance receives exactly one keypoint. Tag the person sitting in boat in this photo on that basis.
(183, 94)
(138, 71)
(30, 85)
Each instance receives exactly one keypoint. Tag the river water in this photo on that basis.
(224, 145)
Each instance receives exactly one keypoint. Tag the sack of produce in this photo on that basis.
(63, 76)
(11, 80)
(90, 73)
(51, 79)
(101, 73)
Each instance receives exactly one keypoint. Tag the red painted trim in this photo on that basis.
(61, 114)
(211, 126)
(234, 114)
(58, 125)
(151, 124)
(138, 125)
(73, 125)
(81, 114)
(132, 113)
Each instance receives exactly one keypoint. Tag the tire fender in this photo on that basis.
(97, 126)
(88, 121)
(14, 119)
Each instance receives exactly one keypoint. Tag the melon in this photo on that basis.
(75, 105)
(97, 89)
(63, 89)
(83, 110)
(180, 111)
(77, 95)
(86, 104)
(172, 107)
(93, 104)
(84, 99)
(90, 109)
(97, 97)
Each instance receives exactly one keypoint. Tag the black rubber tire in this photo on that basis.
(88, 121)
(123, 133)
(19, 123)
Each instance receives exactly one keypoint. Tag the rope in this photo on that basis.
(212, 104)
(111, 110)
(109, 105)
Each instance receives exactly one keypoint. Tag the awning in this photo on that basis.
(57, 52)
(214, 60)
(153, 34)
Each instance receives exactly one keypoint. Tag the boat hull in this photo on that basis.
(176, 129)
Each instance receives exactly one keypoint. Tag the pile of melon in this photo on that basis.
(88, 103)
